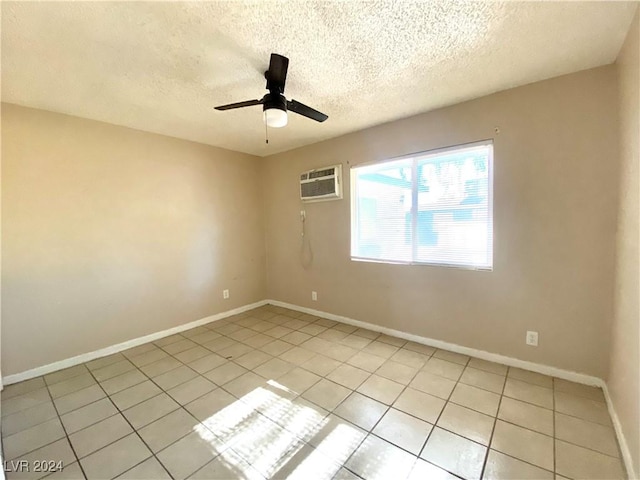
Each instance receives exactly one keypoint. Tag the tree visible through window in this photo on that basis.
(430, 208)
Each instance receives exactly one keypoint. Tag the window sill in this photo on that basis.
(424, 264)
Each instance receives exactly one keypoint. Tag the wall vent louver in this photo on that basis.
(321, 184)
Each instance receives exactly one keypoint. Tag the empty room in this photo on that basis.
(320, 240)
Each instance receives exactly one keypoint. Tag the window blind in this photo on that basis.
(431, 208)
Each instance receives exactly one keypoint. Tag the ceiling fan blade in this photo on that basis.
(230, 106)
(302, 109)
(277, 73)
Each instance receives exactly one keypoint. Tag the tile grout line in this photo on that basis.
(389, 407)
(183, 407)
(466, 438)
(47, 444)
(419, 369)
(435, 424)
(64, 429)
(495, 422)
(325, 377)
(134, 430)
(81, 406)
(52, 401)
(162, 390)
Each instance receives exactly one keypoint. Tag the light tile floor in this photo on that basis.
(274, 393)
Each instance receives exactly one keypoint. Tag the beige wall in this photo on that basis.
(555, 191)
(624, 371)
(111, 233)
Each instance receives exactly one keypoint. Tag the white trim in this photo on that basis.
(622, 441)
(103, 352)
(484, 355)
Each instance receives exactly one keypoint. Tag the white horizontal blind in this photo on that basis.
(431, 208)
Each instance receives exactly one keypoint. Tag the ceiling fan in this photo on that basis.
(274, 104)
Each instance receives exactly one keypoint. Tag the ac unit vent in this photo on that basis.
(321, 184)
(322, 173)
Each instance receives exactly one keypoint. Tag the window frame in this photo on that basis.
(414, 194)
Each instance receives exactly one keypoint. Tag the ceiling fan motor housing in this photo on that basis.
(274, 100)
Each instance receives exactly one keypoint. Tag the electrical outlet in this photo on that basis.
(314, 296)
(225, 294)
(532, 338)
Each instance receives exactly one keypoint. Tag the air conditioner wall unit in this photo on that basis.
(321, 184)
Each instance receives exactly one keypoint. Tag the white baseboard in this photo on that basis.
(622, 440)
(103, 352)
(492, 357)
(484, 355)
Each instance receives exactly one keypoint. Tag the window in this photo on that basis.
(431, 208)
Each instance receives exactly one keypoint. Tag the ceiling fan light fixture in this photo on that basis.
(274, 104)
(275, 117)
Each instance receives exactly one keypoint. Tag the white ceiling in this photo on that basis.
(161, 67)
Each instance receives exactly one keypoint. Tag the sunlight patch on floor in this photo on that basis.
(264, 430)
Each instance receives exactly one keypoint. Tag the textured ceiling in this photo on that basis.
(161, 67)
